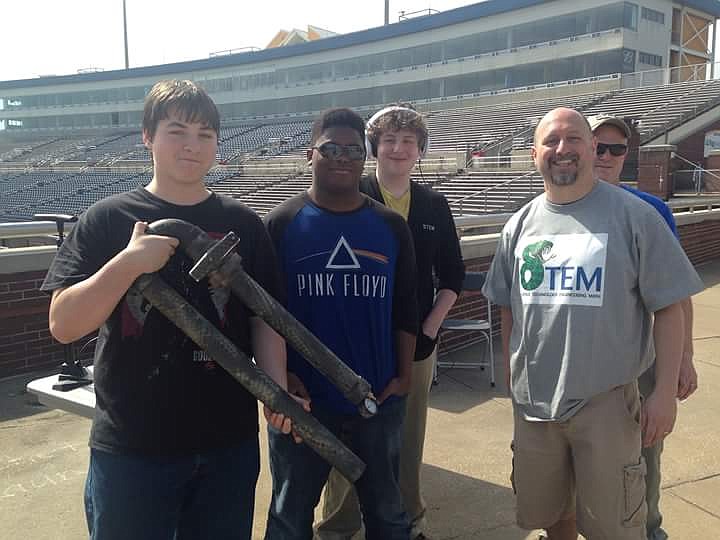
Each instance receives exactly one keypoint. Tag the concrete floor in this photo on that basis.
(43, 455)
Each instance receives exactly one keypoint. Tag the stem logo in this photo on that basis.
(532, 272)
(562, 268)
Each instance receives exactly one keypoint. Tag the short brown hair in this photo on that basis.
(399, 116)
(186, 98)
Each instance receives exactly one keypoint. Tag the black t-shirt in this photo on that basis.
(157, 392)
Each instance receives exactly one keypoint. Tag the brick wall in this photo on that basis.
(701, 241)
(25, 341)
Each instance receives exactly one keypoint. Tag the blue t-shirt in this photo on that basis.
(659, 205)
(350, 279)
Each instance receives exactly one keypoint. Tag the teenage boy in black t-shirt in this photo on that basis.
(174, 442)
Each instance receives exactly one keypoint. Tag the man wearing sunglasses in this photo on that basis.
(612, 135)
(349, 269)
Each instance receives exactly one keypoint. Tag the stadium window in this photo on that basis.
(583, 22)
(360, 66)
(136, 93)
(459, 47)
(496, 40)
(421, 55)
(607, 17)
(135, 118)
(436, 53)
(650, 59)
(630, 16)
(344, 69)
(652, 15)
(399, 58)
(375, 63)
(676, 26)
(103, 96)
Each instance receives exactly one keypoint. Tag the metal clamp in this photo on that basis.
(214, 257)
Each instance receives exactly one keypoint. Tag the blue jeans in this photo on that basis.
(299, 475)
(201, 496)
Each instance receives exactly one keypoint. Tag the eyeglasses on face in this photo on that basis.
(334, 151)
(616, 150)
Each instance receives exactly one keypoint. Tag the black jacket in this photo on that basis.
(437, 249)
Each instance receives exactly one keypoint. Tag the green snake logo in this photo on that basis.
(535, 256)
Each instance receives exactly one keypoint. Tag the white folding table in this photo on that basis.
(79, 401)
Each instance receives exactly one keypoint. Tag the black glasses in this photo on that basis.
(333, 151)
(616, 150)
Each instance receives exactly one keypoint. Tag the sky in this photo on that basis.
(58, 37)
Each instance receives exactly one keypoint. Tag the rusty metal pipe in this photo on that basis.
(197, 245)
(173, 306)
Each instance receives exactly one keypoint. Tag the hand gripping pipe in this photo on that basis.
(209, 255)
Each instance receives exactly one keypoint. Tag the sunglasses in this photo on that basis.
(333, 151)
(616, 150)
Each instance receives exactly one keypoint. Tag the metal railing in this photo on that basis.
(507, 185)
(667, 75)
(32, 229)
(696, 166)
(502, 146)
(703, 205)
(501, 162)
(696, 180)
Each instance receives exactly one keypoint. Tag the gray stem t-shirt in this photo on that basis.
(582, 280)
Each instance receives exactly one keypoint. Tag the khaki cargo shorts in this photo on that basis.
(589, 466)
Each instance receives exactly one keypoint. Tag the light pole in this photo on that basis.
(387, 12)
(127, 61)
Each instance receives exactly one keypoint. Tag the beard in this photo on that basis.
(563, 179)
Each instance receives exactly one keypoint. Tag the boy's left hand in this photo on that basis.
(284, 423)
(398, 386)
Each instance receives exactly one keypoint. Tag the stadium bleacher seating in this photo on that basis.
(658, 107)
(68, 174)
(482, 126)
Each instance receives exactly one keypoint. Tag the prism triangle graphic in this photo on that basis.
(342, 257)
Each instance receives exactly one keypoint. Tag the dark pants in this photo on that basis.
(299, 475)
(197, 497)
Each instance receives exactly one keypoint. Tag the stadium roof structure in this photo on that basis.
(402, 28)
(295, 36)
